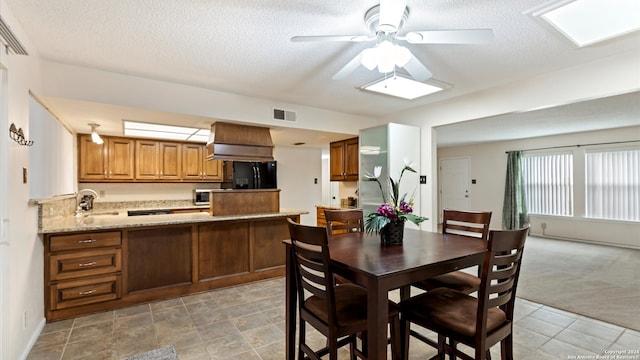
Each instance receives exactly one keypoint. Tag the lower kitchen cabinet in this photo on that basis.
(95, 271)
(158, 257)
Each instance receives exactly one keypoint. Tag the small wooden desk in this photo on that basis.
(361, 259)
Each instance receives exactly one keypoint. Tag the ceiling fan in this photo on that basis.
(384, 21)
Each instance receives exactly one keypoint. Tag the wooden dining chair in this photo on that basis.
(466, 223)
(339, 312)
(344, 221)
(476, 322)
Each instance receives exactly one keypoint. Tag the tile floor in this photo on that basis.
(247, 323)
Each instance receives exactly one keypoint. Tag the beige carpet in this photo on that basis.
(601, 282)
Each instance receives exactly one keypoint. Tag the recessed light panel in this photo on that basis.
(586, 22)
(167, 132)
(402, 87)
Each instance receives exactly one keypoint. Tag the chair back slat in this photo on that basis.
(466, 223)
(344, 221)
(311, 264)
(500, 272)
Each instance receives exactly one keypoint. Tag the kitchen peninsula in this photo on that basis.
(106, 259)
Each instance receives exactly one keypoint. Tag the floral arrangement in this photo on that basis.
(394, 208)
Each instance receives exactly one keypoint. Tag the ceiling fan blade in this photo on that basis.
(352, 38)
(473, 36)
(391, 12)
(349, 68)
(417, 70)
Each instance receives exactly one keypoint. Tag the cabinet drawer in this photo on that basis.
(84, 241)
(85, 263)
(70, 293)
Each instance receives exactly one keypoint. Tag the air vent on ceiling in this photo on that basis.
(284, 115)
(9, 40)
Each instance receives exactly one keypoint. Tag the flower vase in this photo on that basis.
(392, 233)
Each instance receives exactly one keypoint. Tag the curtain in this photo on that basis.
(514, 209)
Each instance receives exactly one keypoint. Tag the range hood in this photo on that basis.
(239, 142)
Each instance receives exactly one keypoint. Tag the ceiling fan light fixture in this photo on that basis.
(385, 56)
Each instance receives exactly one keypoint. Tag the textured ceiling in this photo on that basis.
(244, 46)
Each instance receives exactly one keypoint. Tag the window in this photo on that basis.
(613, 184)
(548, 183)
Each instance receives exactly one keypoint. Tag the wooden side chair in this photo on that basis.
(338, 312)
(344, 221)
(477, 322)
(466, 223)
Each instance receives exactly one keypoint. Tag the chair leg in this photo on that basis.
(454, 345)
(396, 347)
(441, 343)
(506, 348)
(404, 338)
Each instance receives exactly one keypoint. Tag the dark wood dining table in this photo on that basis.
(361, 258)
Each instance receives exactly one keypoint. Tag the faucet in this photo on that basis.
(86, 201)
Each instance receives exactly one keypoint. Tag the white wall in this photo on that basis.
(22, 262)
(488, 167)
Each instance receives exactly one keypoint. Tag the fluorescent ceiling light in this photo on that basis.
(402, 87)
(166, 132)
(587, 22)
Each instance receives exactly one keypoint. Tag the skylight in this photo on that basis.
(402, 87)
(586, 22)
(166, 132)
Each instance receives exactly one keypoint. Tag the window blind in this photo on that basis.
(548, 183)
(613, 184)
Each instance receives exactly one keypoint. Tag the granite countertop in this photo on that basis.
(118, 219)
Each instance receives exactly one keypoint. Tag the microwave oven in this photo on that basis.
(201, 196)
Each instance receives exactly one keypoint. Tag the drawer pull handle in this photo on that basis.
(87, 264)
(88, 241)
(88, 292)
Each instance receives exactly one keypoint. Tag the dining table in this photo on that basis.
(363, 260)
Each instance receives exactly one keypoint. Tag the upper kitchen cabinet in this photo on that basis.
(343, 158)
(112, 160)
(196, 167)
(158, 160)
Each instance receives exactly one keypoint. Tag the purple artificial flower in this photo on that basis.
(387, 211)
(405, 208)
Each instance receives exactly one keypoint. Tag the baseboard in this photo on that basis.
(33, 339)
(593, 242)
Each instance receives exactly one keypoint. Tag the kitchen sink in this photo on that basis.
(147, 212)
(102, 213)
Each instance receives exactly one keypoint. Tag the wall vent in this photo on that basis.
(9, 40)
(284, 115)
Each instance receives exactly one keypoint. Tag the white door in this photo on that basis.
(454, 184)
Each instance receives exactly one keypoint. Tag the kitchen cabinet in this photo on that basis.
(93, 271)
(227, 171)
(112, 160)
(158, 160)
(82, 269)
(195, 165)
(343, 160)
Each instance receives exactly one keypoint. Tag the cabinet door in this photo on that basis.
(223, 249)
(228, 171)
(192, 162)
(212, 169)
(91, 159)
(120, 153)
(336, 161)
(158, 257)
(170, 161)
(351, 156)
(147, 167)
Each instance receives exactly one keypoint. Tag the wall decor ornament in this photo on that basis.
(17, 135)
